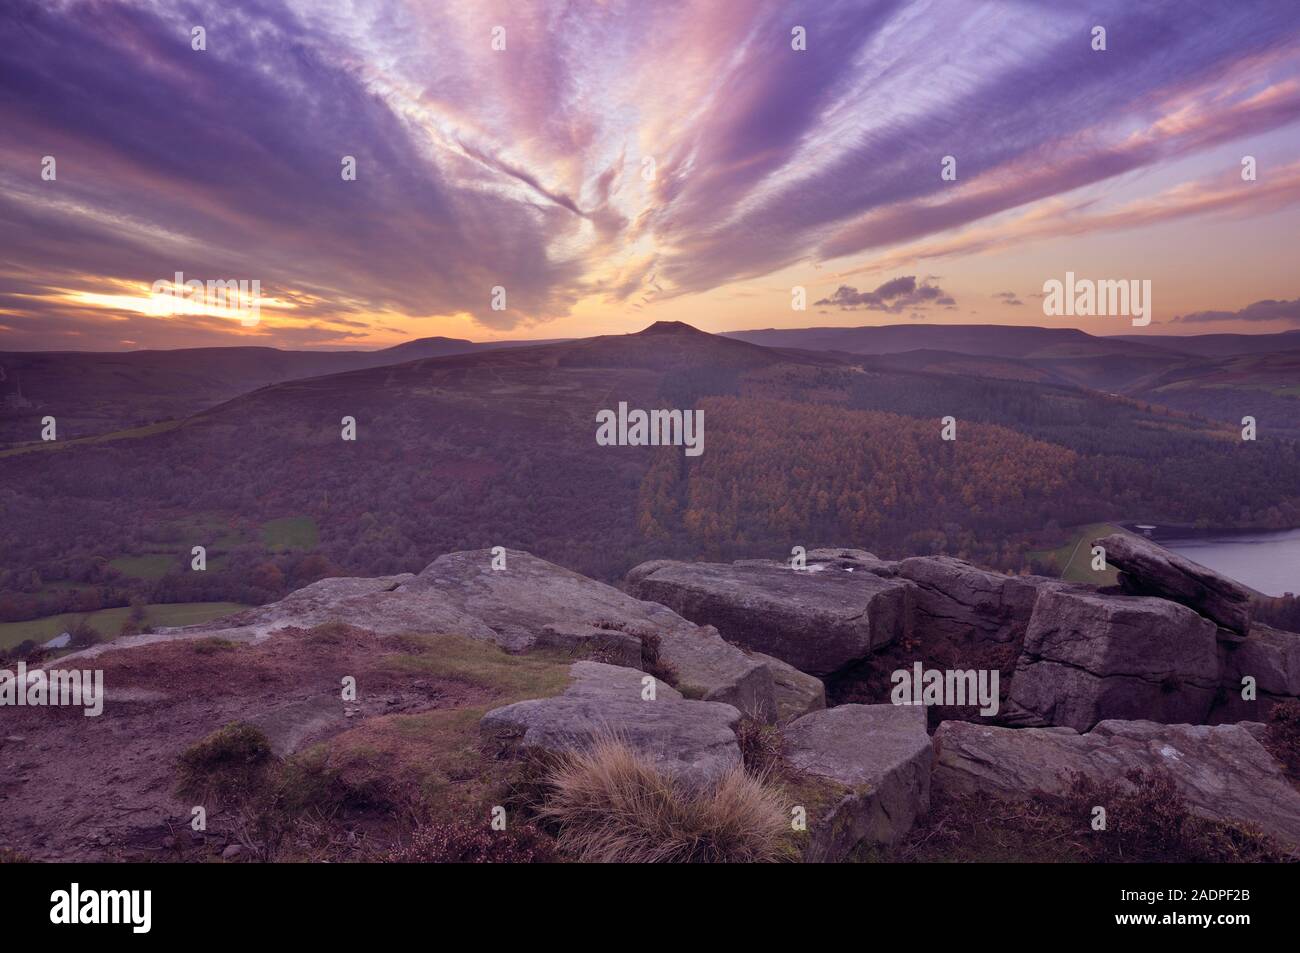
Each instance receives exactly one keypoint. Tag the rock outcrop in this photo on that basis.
(879, 759)
(1090, 656)
(530, 604)
(1148, 569)
(1141, 675)
(1222, 771)
(694, 741)
(817, 621)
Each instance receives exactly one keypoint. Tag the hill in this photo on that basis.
(1220, 345)
(98, 392)
(992, 340)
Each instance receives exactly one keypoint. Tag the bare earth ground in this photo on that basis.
(104, 788)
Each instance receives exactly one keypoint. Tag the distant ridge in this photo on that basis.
(976, 339)
(1224, 345)
(1002, 340)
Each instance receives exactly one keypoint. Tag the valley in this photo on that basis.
(496, 447)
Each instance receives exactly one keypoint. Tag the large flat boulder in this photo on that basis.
(817, 621)
(1147, 568)
(1089, 656)
(1222, 771)
(957, 601)
(519, 602)
(694, 741)
(879, 757)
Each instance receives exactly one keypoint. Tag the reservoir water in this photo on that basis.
(1269, 562)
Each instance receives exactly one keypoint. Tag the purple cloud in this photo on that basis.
(894, 296)
(1266, 310)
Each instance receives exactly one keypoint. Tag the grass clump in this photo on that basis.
(333, 633)
(611, 805)
(760, 746)
(482, 665)
(227, 765)
(212, 645)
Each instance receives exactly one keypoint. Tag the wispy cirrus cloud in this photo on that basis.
(623, 152)
(1222, 194)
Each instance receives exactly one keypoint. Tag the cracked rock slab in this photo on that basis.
(957, 601)
(880, 757)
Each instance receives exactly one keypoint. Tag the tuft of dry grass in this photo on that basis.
(464, 843)
(761, 745)
(611, 805)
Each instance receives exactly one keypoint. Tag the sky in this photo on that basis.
(528, 170)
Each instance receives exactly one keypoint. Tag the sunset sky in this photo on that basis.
(529, 168)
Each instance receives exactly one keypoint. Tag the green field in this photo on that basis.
(290, 532)
(109, 621)
(147, 566)
(1072, 560)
